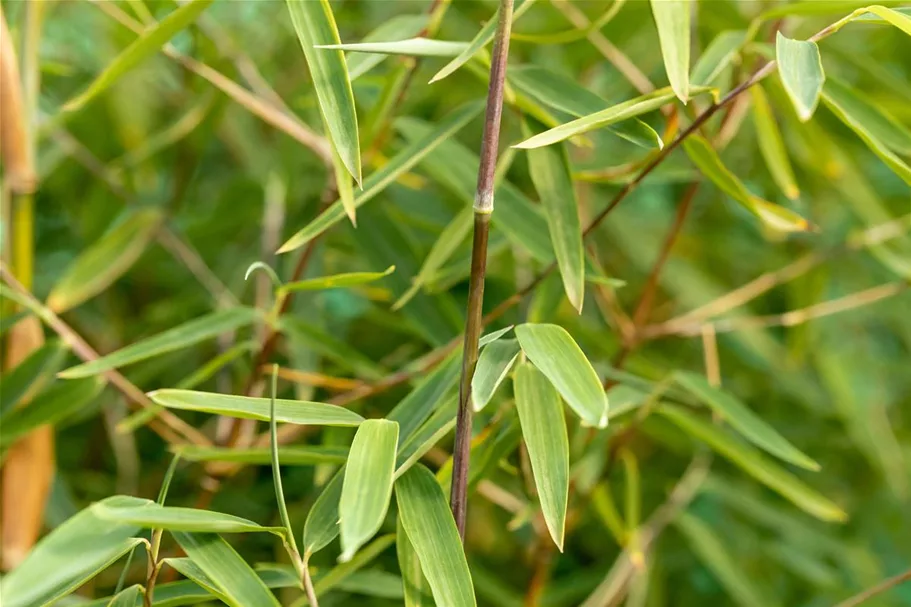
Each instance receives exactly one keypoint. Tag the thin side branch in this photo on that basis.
(880, 588)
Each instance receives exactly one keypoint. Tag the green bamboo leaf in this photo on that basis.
(414, 47)
(392, 170)
(50, 572)
(742, 419)
(29, 377)
(450, 238)
(606, 117)
(566, 95)
(754, 464)
(293, 455)
(428, 522)
(493, 336)
(367, 487)
(550, 173)
(236, 583)
(425, 398)
(866, 126)
(52, 406)
(396, 28)
(880, 125)
(329, 346)
(801, 73)
(709, 164)
(248, 407)
(416, 589)
(897, 18)
(672, 17)
(544, 430)
(718, 559)
(337, 281)
(321, 526)
(717, 57)
(174, 339)
(190, 570)
(146, 45)
(105, 261)
(128, 597)
(771, 145)
(427, 436)
(493, 366)
(554, 352)
(344, 184)
(813, 7)
(315, 25)
(480, 40)
(153, 516)
(337, 576)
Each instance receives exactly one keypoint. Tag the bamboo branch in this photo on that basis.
(883, 586)
(483, 208)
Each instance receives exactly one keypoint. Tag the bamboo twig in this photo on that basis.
(880, 588)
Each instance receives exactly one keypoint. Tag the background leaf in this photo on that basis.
(673, 20)
(801, 73)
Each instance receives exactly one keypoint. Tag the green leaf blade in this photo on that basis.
(544, 430)
(173, 339)
(248, 407)
(337, 281)
(235, 581)
(428, 522)
(672, 17)
(554, 352)
(550, 172)
(367, 487)
(493, 365)
(149, 43)
(801, 73)
(52, 406)
(152, 516)
(105, 261)
(771, 145)
(315, 25)
(742, 419)
(412, 47)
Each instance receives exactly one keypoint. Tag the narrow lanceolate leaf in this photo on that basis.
(321, 526)
(52, 406)
(717, 57)
(105, 261)
(754, 464)
(415, 588)
(450, 238)
(153, 516)
(50, 571)
(550, 172)
(129, 597)
(771, 144)
(430, 527)
(415, 47)
(866, 126)
(801, 73)
(481, 40)
(672, 17)
(544, 430)
(559, 358)
(367, 487)
(875, 120)
(427, 436)
(566, 95)
(493, 365)
(606, 117)
(344, 183)
(425, 398)
(718, 559)
(897, 18)
(338, 281)
(709, 163)
(295, 455)
(182, 336)
(248, 407)
(396, 28)
(236, 583)
(741, 418)
(315, 25)
(141, 49)
(30, 376)
(392, 170)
